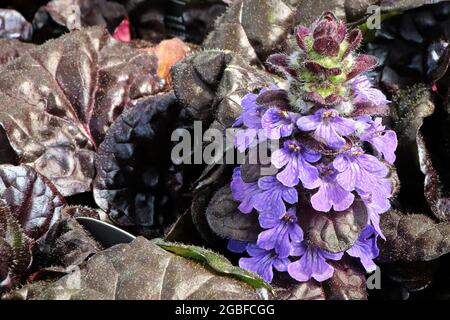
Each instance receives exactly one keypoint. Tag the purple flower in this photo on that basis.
(251, 111)
(296, 160)
(359, 170)
(278, 123)
(384, 141)
(269, 199)
(262, 262)
(248, 138)
(237, 246)
(377, 202)
(366, 248)
(280, 233)
(328, 127)
(330, 193)
(364, 93)
(312, 263)
(243, 192)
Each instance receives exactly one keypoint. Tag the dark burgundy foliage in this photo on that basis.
(409, 45)
(33, 200)
(54, 123)
(133, 183)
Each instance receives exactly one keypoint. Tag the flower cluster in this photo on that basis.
(334, 151)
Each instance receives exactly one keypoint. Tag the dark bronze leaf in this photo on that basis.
(122, 273)
(58, 100)
(333, 231)
(227, 221)
(32, 199)
(133, 162)
(413, 237)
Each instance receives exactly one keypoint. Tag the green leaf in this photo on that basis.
(216, 262)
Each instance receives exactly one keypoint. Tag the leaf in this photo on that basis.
(409, 44)
(210, 84)
(411, 106)
(227, 221)
(348, 281)
(66, 244)
(122, 273)
(15, 249)
(133, 165)
(211, 180)
(14, 26)
(12, 49)
(32, 198)
(57, 102)
(288, 289)
(229, 34)
(217, 262)
(333, 231)
(252, 29)
(413, 276)
(413, 237)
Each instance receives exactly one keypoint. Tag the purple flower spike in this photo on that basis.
(281, 232)
(269, 200)
(278, 123)
(237, 246)
(328, 127)
(312, 263)
(244, 192)
(364, 93)
(366, 248)
(296, 159)
(330, 193)
(384, 141)
(359, 170)
(262, 262)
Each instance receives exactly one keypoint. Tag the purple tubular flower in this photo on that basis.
(328, 127)
(366, 248)
(384, 141)
(278, 123)
(296, 159)
(262, 262)
(244, 192)
(269, 200)
(359, 170)
(251, 111)
(249, 138)
(330, 193)
(364, 93)
(281, 232)
(377, 202)
(312, 263)
(237, 246)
